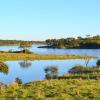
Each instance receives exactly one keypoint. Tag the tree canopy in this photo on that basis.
(82, 43)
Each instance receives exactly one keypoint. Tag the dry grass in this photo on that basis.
(22, 56)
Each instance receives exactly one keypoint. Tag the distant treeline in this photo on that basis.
(16, 42)
(82, 43)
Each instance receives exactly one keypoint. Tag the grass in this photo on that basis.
(74, 89)
(22, 56)
(82, 72)
(81, 76)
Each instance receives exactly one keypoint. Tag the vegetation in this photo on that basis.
(83, 72)
(54, 89)
(22, 56)
(51, 72)
(98, 63)
(3, 68)
(25, 46)
(16, 42)
(79, 43)
(80, 69)
(81, 83)
(18, 81)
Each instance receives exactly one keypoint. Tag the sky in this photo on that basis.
(43, 19)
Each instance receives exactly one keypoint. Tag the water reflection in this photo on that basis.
(36, 69)
(4, 68)
(86, 60)
(25, 64)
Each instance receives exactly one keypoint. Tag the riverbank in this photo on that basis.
(22, 56)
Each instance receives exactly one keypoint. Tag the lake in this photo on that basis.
(91, 52)
(28, 71)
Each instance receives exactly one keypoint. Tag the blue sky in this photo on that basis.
(42, 19)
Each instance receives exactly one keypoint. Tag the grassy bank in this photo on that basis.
(21, 56)
(74, 89)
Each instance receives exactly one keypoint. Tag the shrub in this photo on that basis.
(18, 80)
(98, 63)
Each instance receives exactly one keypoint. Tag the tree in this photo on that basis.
(25, 46)
(18, 80)
(79, 37)
(88, 36)
(51, 72)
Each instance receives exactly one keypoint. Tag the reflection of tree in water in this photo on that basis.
(3, 68)
(86, 59)
(25, 64)
(51, 72)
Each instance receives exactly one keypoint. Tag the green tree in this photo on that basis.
(51, 72)
(18, 80)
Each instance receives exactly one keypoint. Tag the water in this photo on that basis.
(28, 71)
(91, 52)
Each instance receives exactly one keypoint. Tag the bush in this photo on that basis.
(76, 69)
(51, 72)
(3, 68)
(18, 80)
(98, 63)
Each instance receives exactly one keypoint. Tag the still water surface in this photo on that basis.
(35, 69)
(91, 52)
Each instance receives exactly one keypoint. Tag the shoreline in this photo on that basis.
(22, 56)
(50, 47)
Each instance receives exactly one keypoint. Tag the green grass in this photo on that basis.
(22, 56)
(54, 89)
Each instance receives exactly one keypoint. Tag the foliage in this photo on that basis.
(3, 68)
(83, 72)
(16, 42)
(25, 46)
(18, 80)
(98, 63)
(51, 72)
(83, 43)
(81, 69)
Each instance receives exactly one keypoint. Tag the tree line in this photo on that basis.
(82, 43)
(16, 42)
